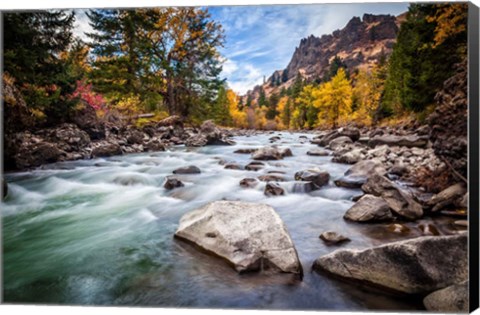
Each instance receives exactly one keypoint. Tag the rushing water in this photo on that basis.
(101, 232)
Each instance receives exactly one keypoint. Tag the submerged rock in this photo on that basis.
(248, 182)
(400, 201)
(254, 166)
(333, 238)
(192, 169)
(318, 152)
(244, 151)
(272, 178)
(172, 183)
(454, 298)
(419, 265)
(369, 209)
(250, 236)
(273, 189)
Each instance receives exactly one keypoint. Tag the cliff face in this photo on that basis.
(359, 45)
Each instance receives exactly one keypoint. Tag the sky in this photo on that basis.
(262, 39)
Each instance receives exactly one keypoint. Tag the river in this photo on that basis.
(100, 232)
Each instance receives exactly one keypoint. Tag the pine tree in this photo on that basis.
(33, 44)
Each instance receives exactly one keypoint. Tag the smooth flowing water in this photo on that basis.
(101, 232)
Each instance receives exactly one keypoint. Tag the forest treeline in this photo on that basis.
(166, 61)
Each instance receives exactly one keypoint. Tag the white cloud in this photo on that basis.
(82, 25)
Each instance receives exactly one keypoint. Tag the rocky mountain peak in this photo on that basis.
(359, 44)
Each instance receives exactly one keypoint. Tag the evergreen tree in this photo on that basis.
(262, 99)
(33, 45)
(335, 65)
(418, 65)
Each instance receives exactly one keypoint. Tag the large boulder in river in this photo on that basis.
(415, 266)
(250, 236)
(400, 201)
(369, 209)
(191, 169)
(452, 299)
(409, 141)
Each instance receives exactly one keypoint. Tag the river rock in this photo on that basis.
(233, 166)
(191, 169)
(403, 141)
(273, 189)
(400, 201)
(134, 136)
(37, 154)
(369, 209)
(172, 183)
(350, 132)
(452, 299)
(245, 151)
(254, 166)
(68, 137)
(318, 177)
(271, 153)
(106, 149)
(250, 236)
(447, 197)
(303, 187)
(415, 266)
(86, 119)
(337, 143)
(318, 152)
(170, 121)
(350, 157)
(248, 182)
(331, 238)
(358, 174)
(272, 178)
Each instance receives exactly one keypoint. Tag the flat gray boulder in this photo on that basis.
(369, 209)
(452, 299)
(400, 201)
(415, 266)
(250, 236)
(358, 174)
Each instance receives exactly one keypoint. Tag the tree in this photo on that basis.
(333, 99)
(238, 116)
(167, 53)
(262, 99)
(306, 115)
(33, 45)
(284, 111)
(272, 106)
(221, 108)
(335, 65)
(419, 63)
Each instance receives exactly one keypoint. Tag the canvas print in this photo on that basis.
(293, 157)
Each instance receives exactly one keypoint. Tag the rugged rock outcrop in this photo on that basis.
(250, 236)
(449, 121)
(360, 44)
(416, 266)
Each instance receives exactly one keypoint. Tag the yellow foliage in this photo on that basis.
(451, 19)
(239, 117)
(333, 99)
(367, 93)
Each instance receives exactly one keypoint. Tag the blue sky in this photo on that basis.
(262, 39)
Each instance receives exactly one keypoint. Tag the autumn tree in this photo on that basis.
(333, 99)
(427, 47)
(167, 54)
(238, 116)
(305, 113)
